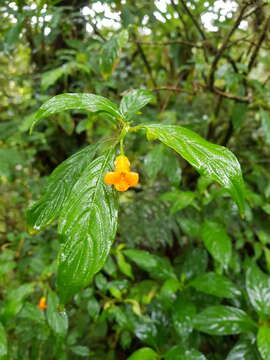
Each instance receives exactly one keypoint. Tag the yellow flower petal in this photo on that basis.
(122, 164)
(111, 178)
(122, 186)
(132, 178)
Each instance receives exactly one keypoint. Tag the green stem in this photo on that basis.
(122, 146)
(136, 128)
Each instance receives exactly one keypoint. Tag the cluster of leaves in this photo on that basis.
(187, 276)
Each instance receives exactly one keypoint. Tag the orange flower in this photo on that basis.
(122, 178)
(42, 304)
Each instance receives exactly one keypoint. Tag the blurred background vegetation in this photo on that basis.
(207, 63)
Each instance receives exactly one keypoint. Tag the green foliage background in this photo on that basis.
(187, 277)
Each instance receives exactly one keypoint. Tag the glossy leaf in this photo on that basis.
(57, 319)
(144, 354)
(60, 184)
(168, 292)
(195, 263)
(70, 101)
(157, 267)
(88, 224)
(263, 342)
(3, 342)
(183, 313)
(243, 350)
(179, 353)
(146, 330)
(215, 284)
(223, 320)
(217, 242)
(258, 289)
(133, 101)
(214, 161)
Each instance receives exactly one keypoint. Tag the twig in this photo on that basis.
(174, 89)
(252, 11)
(180, 17)
(223, 47)
(242, 99)
(146, 63)
(96, 30)
(266, 80)
(171, 42)
(215, 90)
(258, 45)
(195, 22)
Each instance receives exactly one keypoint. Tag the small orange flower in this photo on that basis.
(42, 304)
(122, 178)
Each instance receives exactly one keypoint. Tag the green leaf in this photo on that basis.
(14, 301)
(60, 184)
(152, 163)
(80, 350)
(243, 350)
(50, 77)
(217, 242)
(214, 161)
(239, 111)
(125, 339)
(111, 53)
(265, 119)
(88, 225)
(215, 284)
(123, 265)
(32, 312)
(223, 320)
(57, 319)
(183, 314)
(110, 267)
(168, 292)
(263, 342)
(93, 307)
(9, 158)
(160, 159)
(144, 354)
(179, 353)
(195, 263)
(258, 289)
(158, 267)
(179, 199)
(13, 33)
(71, 101)
(133, 101)
(3, 342)
(101, 282)
(171, 167)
